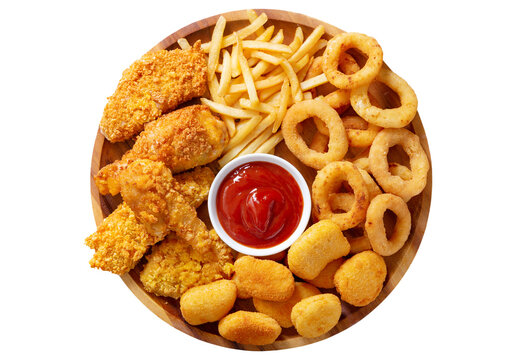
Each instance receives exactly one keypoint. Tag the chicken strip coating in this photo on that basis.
(152, 86)
(183, 139)
(174, 266)
(147, 188)
(119, 242)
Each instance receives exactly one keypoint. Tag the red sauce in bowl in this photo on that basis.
(259, 204)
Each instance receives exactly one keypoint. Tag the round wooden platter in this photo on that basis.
(168, 309)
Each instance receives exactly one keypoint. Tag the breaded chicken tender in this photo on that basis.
(263, 279)
(183, 139)
(174, 266)
(281, 310)
(152, 86)
(208, 303)
(120, 241)
(194, 185)
(249, 328)
(320, 244)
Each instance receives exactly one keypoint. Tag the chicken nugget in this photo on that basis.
(208, 303)
(320, 244)
(263, 279)
(361, 278)
(316, 315)
(325, 278)
(249, 328)
(280, 311)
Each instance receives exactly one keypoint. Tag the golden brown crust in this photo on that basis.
(120, 241)
(325, 278)
(151, 86)
(316, 315)
(249, 328)
(174, 266)
(263, 279)
(183, 139)
(194, 185)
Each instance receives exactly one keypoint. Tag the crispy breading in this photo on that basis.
(194, 185)
(174, 266)
(120, 241)
(147, 188)
(151, 86)
(249, 328)
(183, 139)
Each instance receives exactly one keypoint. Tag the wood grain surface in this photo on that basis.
(168, 309)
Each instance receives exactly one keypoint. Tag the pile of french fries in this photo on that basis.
(253, 78)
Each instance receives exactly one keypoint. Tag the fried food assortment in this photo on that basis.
(249, 328)
(208, 303)
(316, 315)
(261, 90)
(151, 86)
(281, 310)
(183, 139)
(360, 279)
(320, 244)
(263, 279)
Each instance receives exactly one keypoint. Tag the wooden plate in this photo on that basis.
(168, 309)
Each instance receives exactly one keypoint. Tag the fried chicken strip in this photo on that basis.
(121, 240)
(152, 86)
(183, 139)
(174, 266)
(147, 188)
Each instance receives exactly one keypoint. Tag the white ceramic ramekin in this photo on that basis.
(305, 216)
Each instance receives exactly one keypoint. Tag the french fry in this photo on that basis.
(225, 77)
(307, 95)
(261, 107)
(243, 130)
(268, 94)
(314, 82)
(297, 41)
(214, 50)
(266, 57)
(247, 76)
(260, 84)
(308, 44)
(283, 104)
(256, 143)
(270, 143)
(228, 120)
(267, 34)
(235, 66)
(251, 14)
(183, 43)
(263, 45)
(228, 110)
(297, 94)
(301, 74)
(242, 33)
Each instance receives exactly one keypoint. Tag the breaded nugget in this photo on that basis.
(316, 315)
(361, 278)
(208, 303)
(174, 266)
(320, 244)
(151, 86)
(325, 278)
(263, 279)
(249, 328)
(281, 310)
(120, 241)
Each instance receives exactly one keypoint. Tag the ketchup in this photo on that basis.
(259, 204)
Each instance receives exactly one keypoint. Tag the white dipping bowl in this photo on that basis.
(231, 166)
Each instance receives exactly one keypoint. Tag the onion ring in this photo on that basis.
(319, 142)
(327, 181)
(379, 166)
(375, 224)
(338, 45)
(400, 170)
(338, 144)
(388, 118)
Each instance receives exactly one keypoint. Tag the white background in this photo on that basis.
(60, 60)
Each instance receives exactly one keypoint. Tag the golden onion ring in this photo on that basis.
(338, 144)
(338, 45)
(388, 118)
